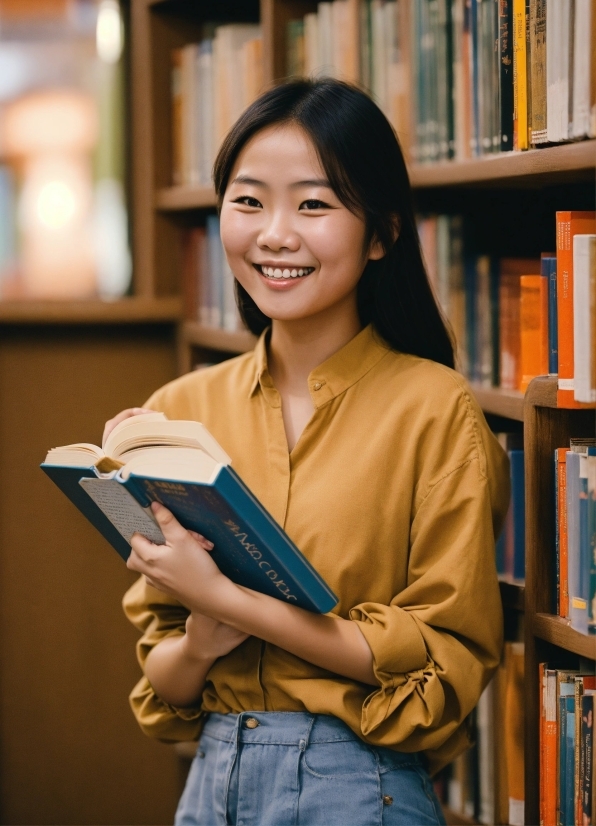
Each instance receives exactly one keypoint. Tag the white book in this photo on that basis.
(206, 112)
(580, 124)
(486, 745)
(325, 39)
(557, 70)
(311, 44)
(584, 317)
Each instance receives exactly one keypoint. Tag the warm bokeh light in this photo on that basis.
(56, 205)
(109, 34)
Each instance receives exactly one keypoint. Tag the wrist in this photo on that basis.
(194, 652)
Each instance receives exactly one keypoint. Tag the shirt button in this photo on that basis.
(387, 799)
(317, 385)
(251, 723)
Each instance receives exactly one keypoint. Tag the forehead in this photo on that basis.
(282, 151)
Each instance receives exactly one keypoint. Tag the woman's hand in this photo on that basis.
(183, 567)
(206, 638)
(120, 417)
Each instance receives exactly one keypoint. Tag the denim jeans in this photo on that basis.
(299, 769)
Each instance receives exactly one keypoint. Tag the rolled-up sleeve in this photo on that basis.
(437, 643)
(157, 616)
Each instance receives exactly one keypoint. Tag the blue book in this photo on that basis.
(589, 548)
(114, 488)
(548, 267)
(577, 538)
(566, 761)
(518, 505)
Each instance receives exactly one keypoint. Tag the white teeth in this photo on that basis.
(286, 274)
(277, 273)
(294, 273)
(300, 272)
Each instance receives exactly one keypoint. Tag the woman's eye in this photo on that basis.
(313, 203)
(246, 200)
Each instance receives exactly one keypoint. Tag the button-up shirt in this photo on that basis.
(394, 491)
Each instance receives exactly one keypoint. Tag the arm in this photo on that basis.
(183, 569)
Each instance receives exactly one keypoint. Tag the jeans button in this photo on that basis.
(387, 799)
(251, 723)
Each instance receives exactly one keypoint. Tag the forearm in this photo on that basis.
(330, 642)
(176, 673)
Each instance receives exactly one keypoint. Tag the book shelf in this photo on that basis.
(516, 194)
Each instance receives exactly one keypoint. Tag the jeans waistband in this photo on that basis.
(288, 728)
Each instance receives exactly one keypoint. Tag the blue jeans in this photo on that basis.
(299, 769)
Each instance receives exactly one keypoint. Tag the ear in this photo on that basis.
(376, 250)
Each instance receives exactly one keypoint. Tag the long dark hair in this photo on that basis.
(361, 156)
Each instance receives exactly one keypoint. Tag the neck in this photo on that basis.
(298, 347)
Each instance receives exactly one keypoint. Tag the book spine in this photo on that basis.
(562, 819)
(506, 73)
(520, 112)
(563, 563)
(519, 516)
(568, 225)
(541, 740)
(550, 750)
(176, 102)
(588, 709)
(538, 70)
(584, 299)
(579, 560)
(549, 263)
(533, 328)
(591, 470)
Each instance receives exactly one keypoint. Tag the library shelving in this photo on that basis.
(512, 198)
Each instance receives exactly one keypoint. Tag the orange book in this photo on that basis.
(568, 225)
(533, 327)
(514, 730)
(562, 531)
(510, 270)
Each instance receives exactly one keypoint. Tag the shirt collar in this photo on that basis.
(332, 377)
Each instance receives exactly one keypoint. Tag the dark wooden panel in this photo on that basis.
(70, 749)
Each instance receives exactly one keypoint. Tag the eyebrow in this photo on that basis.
(245, 179)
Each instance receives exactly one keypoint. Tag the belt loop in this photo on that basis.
(304, 743)
(235, 742)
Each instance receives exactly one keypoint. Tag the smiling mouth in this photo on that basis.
(286, 272)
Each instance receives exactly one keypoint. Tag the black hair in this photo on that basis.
(363, 161)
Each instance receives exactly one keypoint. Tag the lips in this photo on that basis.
(283, 272)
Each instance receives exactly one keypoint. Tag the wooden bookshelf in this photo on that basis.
(514, 194)
(124, 310)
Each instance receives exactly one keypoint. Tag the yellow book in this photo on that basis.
(520, 77)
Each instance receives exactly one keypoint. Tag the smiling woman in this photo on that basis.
(351, 426)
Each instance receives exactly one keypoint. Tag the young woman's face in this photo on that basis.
(289, 240)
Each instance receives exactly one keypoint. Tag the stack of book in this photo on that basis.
(207, 279)
(517, 318)
(212, 83)
(325, 42)
(575, 534)
(486, 782)
(567, 706)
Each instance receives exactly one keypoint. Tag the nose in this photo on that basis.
(277, 233)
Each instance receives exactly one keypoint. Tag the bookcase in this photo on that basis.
(511, 200)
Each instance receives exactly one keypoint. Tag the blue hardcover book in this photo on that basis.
(114, 490)
(566, 760)
(518, 505)
(577, 537)
(548, 265)
(591, 540)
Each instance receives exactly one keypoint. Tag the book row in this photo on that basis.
(213, 81)
(207, 280)
(514, 319)
(475, 76)
(567, 781)
(575, 533)
(486, 783)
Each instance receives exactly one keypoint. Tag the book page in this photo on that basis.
(122, 509)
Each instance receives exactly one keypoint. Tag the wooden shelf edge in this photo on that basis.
(503, 169)
(179, 198)
(542, 392)
(213, 338)
(513, 594)
(134, 310)
(499, 402)
(557, 631)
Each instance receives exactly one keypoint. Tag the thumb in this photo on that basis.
(170, 527)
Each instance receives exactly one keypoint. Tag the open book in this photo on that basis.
(179, 464)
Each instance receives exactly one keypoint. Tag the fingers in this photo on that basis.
(120, 417)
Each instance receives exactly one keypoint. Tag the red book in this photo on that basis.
(549, 750)
(568, 225)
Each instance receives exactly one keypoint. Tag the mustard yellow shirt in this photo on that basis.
(394, 492)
